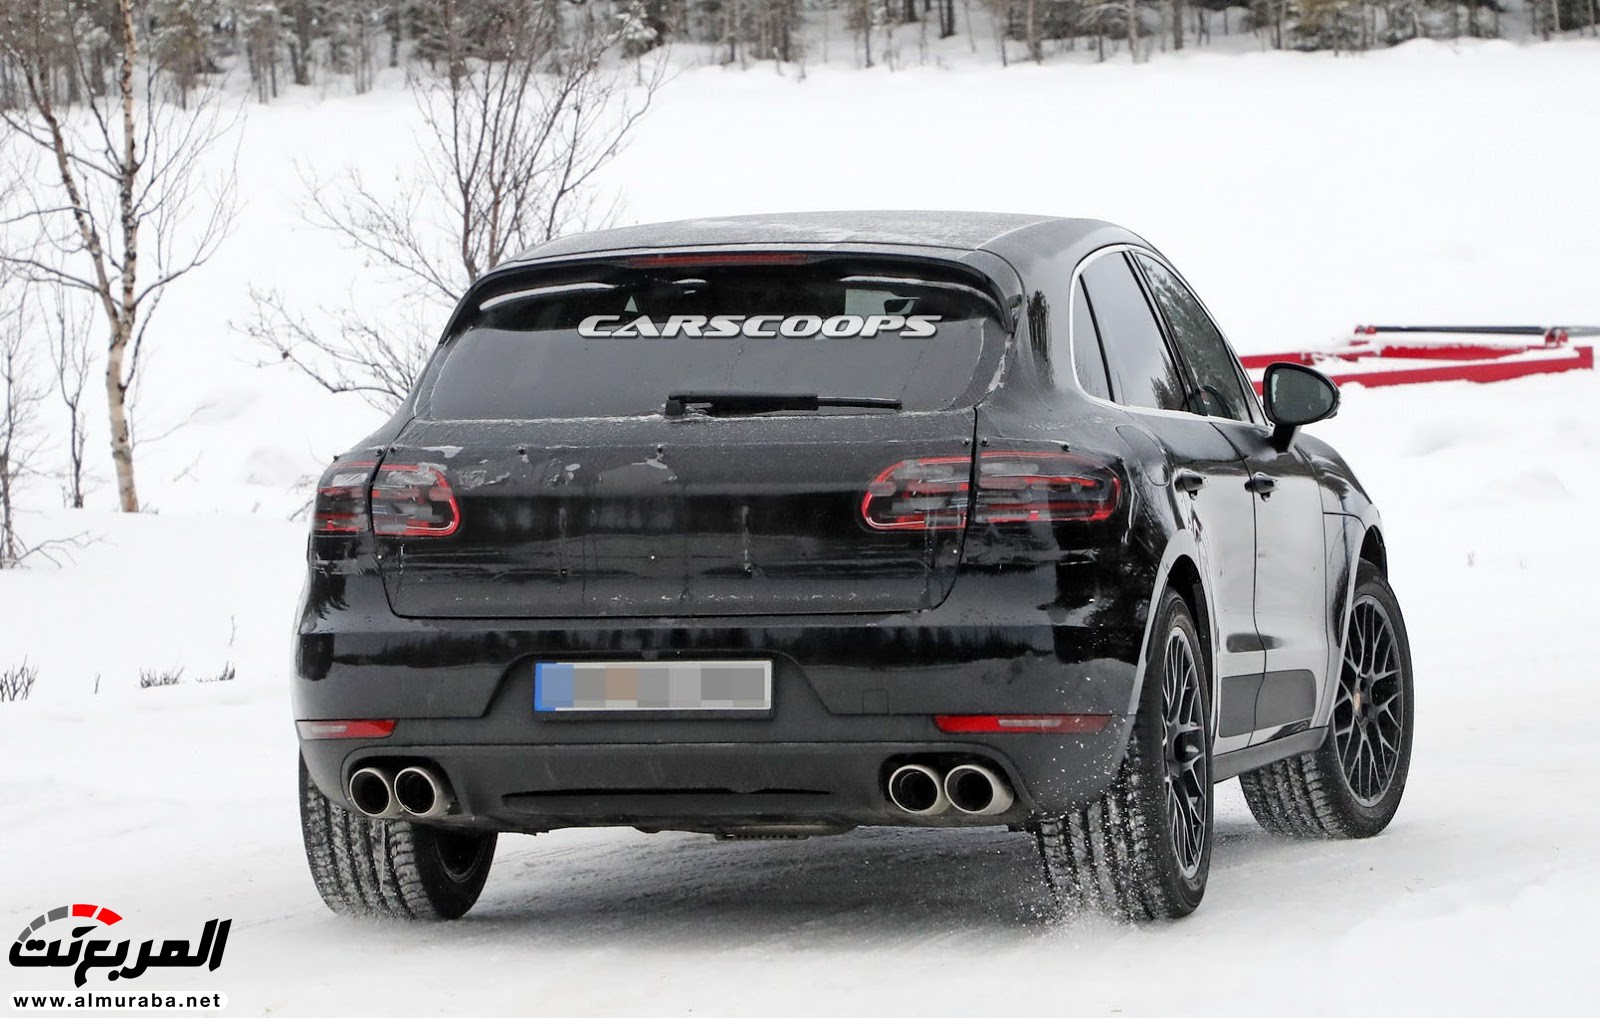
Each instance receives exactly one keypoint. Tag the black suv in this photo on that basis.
(779, 526)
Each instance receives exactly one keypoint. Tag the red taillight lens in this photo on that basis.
(1020, 487)
(1049, 724)
(344, 729)
(341, 505)
(413, 500)
(922, 494)
(1013, 487)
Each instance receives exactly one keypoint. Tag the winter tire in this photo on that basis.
(1351, 786)
(390, 868)
(1143, 848)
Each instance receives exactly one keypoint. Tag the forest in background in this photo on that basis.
(278, 43)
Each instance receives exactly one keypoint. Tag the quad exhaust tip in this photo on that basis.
(417, 792)
(918, 790)
(421, 793)
(977, 791)
(372, 793)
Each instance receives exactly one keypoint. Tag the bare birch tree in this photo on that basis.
(20, 396)
(127, 206)
(516, 126)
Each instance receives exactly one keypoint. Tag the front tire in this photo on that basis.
(390, 868)
(1352, 785)
(1143, 848)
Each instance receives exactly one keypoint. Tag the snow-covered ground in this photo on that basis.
(1401, 198)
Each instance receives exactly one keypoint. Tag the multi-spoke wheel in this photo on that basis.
(1369, 709)
(1143, 848)
(1351, 787)
(1183, 741)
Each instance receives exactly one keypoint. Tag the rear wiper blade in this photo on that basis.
(733, 403)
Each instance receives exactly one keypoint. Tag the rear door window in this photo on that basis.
(1143, 370)
(1216, 370)
(617, 339)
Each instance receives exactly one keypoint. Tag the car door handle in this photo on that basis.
(1261, 484)
(1188, 480)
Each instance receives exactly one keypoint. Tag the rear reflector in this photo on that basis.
(1013, 487)
(413, 500)
(345, 729)
(1048, 724)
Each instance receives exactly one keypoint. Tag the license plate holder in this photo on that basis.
(653, 687)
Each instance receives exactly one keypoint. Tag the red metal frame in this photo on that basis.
(1445, 361)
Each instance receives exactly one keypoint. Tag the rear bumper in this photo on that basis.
(723, 787)
(852, 697)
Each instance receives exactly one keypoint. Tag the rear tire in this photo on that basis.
(1142, 850)
(390, 868)
(1351, 786)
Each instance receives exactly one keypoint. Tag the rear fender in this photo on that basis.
(1180, 545)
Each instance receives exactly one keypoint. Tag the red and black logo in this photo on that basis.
(75, 948)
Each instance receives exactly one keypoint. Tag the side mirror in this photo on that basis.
(1296, 396)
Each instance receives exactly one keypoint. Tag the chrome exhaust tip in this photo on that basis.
(372, 793)
(917, 790)
(421, 793)
(977, 791)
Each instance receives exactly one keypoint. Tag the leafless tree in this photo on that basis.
(516, 126)
(859, 17)
(349, 355)
(20, 396)
(16, 681)
(70, 325)
(132, 206)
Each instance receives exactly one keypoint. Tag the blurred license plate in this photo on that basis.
(652, 685)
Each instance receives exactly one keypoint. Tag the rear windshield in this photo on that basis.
(617, 340)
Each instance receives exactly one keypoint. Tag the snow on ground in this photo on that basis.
(174, 805)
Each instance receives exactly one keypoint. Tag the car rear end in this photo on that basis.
(726, 541)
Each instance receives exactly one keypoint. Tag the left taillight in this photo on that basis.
(1013, 486)
(413, 500)
(392, 500)
(341, 504)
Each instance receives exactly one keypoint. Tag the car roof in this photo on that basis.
(967, 231)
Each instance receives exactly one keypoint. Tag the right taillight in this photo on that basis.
(1014, 486)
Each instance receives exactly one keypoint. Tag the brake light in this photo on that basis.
(413, 500)
(933, 493)
(719, 258)
(341, 504)
(1051, 724)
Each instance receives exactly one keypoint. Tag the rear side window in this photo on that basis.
(1215, 369)
(1087, 358)
(618, 339)
(1143, 372)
